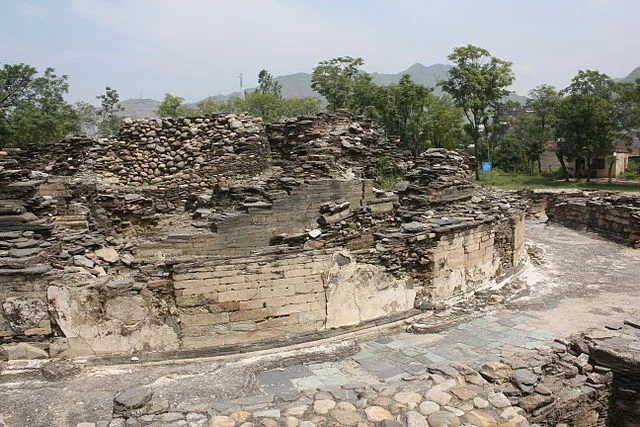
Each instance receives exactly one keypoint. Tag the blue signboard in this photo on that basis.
(486, 166)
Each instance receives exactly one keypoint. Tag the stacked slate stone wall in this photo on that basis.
(615, 215)
(614, 352)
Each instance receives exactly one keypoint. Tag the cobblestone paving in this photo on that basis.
(389, 359)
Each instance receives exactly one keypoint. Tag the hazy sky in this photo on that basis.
(197, 48)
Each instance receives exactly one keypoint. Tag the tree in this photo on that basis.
(586, 119)
(87, 118)
(207, 106)
(410, 106)
(477, 83)
(532, 137)
(172, 106)
(32, 107)
(444, 124)
(335, 79)
(267, 85)
(108, 121)
(509, 154)
(265, 105)
(401, 109)
(305, 106)
(16, 85)
(627, 105)
(496, 126)
(544, 100)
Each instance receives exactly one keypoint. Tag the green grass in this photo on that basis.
(511, 181)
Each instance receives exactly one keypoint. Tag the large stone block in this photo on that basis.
(360, 292)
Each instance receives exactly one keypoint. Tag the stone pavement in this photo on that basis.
(485, 339)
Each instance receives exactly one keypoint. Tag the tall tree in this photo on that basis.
(530, 135)
(627, 105)
(444, 124)
(544, 100)
(402, 110)
(16, 85)
(32, 107)
(477, 83)
(335, 79)
(108, 121)
(267, 84)
(87, 118)
(586, 120)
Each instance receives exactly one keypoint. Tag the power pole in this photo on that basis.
(241, 87)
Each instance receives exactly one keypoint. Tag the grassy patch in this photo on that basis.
(511, 181)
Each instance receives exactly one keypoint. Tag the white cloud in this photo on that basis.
(30, 9)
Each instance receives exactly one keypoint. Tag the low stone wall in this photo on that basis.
(615, 352)
(615, 215)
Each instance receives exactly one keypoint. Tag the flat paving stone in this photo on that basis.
(275, 382)
(297, 371)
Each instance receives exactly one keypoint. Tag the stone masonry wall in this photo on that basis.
(254, 225)
(611, 214)
(241, 300)
(191, 233)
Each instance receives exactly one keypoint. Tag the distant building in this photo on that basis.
(619, 162)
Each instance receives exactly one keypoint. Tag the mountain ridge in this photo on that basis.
(299, 85)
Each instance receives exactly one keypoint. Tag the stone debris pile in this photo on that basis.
(24, 223)
(614, 352)
(186, 152)
(330, 145)
(554, 383)
(438, 176)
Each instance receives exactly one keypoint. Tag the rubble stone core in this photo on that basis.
(219, 231)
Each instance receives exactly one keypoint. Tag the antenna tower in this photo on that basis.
(241, 87)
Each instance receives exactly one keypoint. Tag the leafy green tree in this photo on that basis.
(267, 85)
(444, 124)
(495, 128)
(172, 106)
(207, 106)
(305, 106)
(477, 83)
(544, 100)
(335, 79)
(108, 121)
(627, 105)
(509, 155)
(532, 138)
(586, 119)
(32, 107)
(411, 101)
(16, 85)
(402, 110)
(265, 105)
